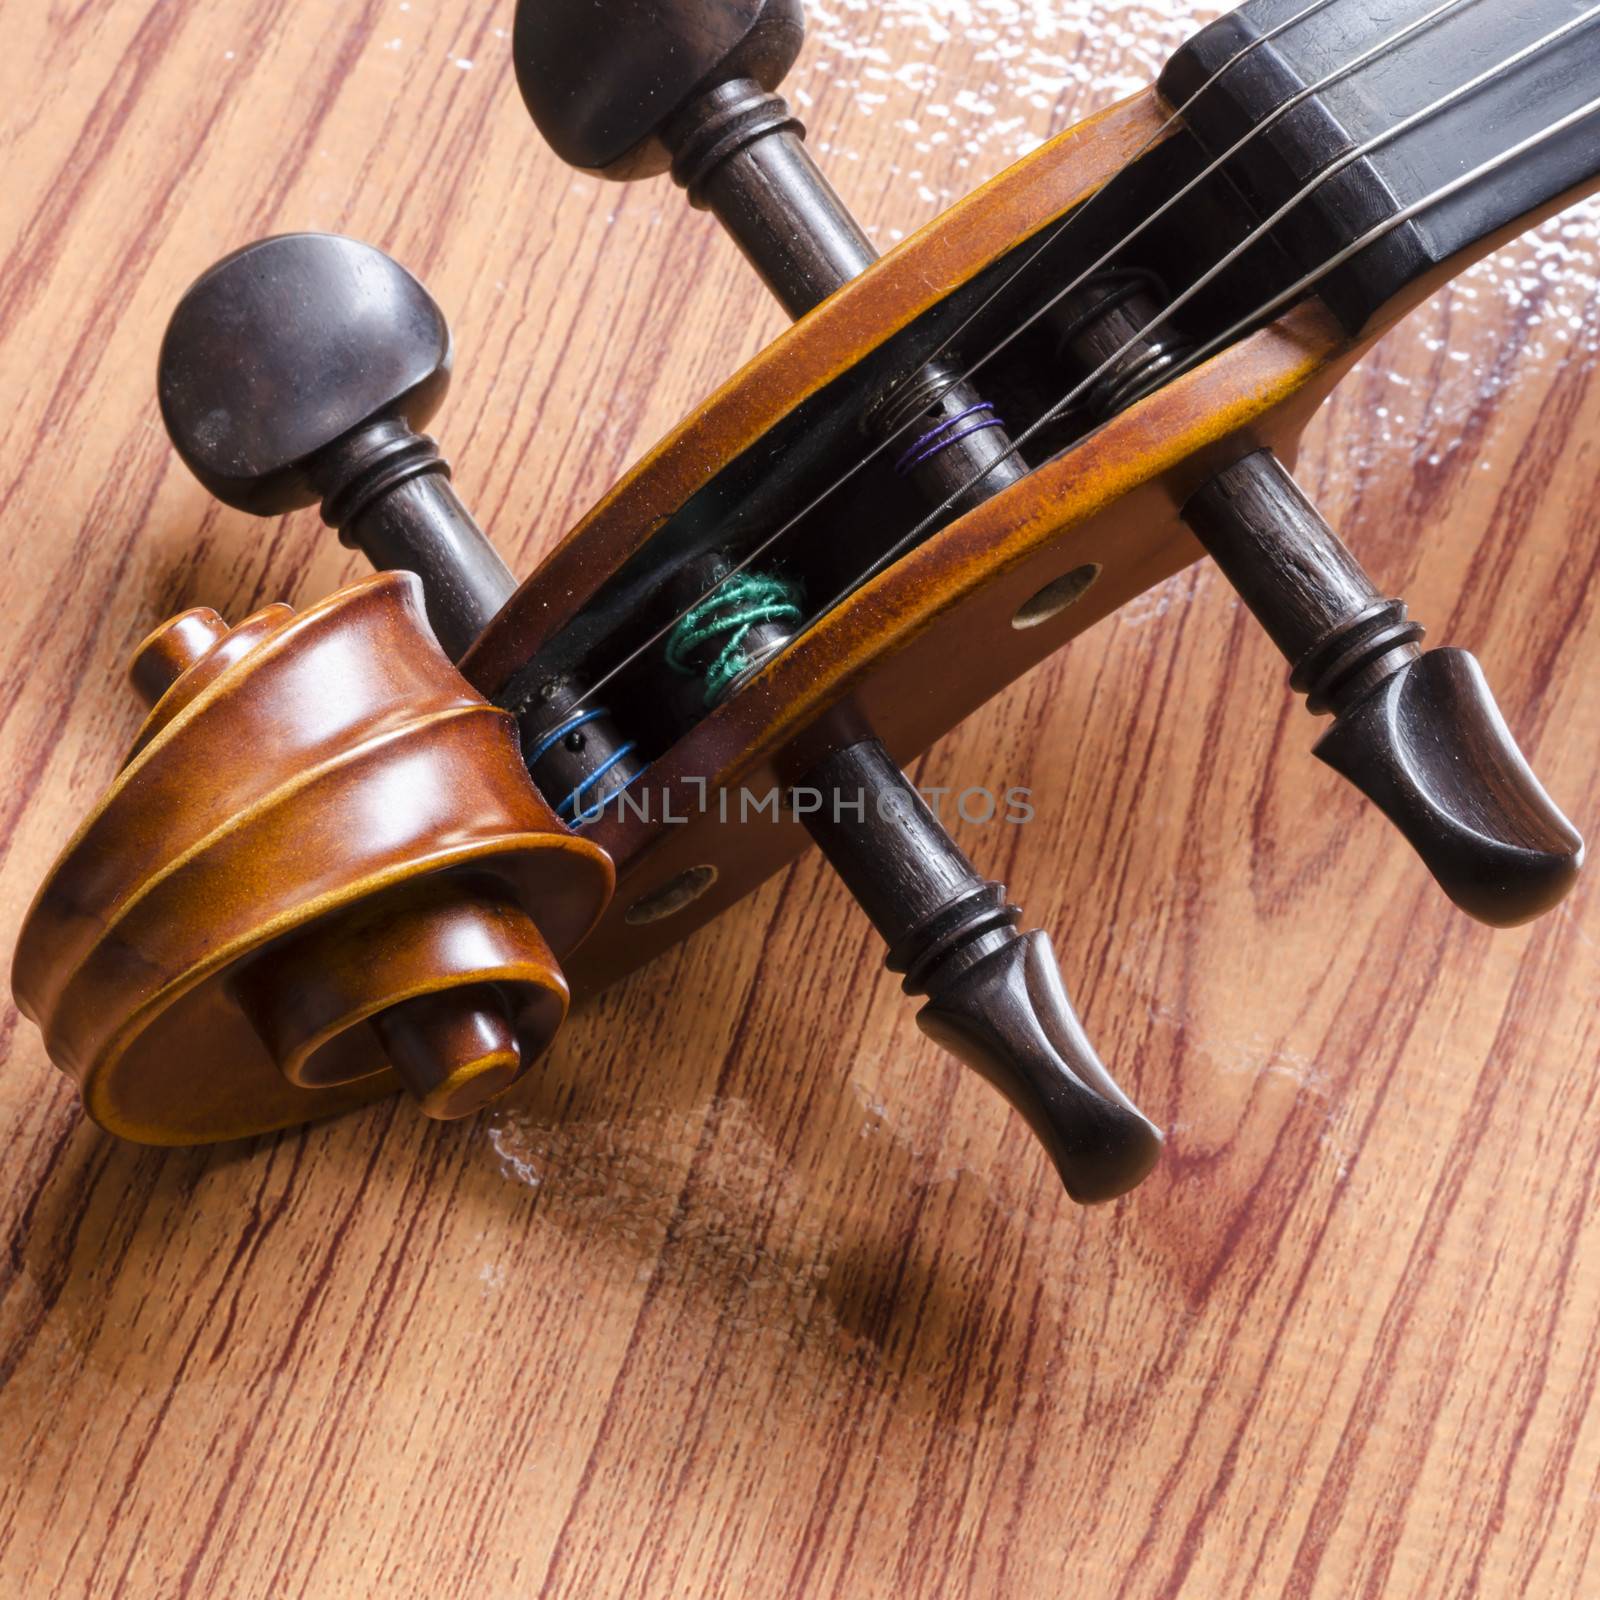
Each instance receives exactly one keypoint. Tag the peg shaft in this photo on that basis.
(739, 152)
(1299, 580)
(387, 491)
(995, 996)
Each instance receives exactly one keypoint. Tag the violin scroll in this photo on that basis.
(322, 869)
(170, 650)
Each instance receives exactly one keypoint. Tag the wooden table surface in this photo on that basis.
(751, 1292)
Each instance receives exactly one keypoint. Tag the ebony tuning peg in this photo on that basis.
(301, 369)
(601, 82)
(995, 998)
(628, 90)
(1418, 733)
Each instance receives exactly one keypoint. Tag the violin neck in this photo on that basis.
(1467, 120)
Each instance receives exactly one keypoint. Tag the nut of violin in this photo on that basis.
(322, 825)
(287, 346)
(1009, 1018)
(174, 647)
(1430, 749)
(600, 80)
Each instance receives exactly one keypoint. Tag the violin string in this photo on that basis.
(1398, 219)
(1372, 235)
(1383, 47)
(1050, 236)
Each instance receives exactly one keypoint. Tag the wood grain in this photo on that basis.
(753, 1293)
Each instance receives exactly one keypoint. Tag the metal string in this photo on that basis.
(1051, 235)
(1401, 217)
(1389, 43)
(1385, 46)
(569, 725)
(1372, 235)
(725, 618)
(943, 434)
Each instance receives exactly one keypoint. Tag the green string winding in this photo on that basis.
(728, 615)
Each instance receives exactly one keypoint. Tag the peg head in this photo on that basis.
(1008, 1016)
(601, 81)
(286, 347)
(1430, 748)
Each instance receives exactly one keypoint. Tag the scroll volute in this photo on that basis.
(322, 873)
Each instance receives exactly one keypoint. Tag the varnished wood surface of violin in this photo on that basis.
(750, 1290)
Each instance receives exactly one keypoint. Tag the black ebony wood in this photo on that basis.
(739, 152)
(388, 492)
(995, 997)
(1450, 51)
(1419, 735)
(736, 149)
(625, 88)
(300, 369)
(601, 79)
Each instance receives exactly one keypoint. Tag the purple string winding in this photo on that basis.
(939, 437)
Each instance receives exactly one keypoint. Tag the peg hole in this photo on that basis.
(1056, 596)
(671, 897)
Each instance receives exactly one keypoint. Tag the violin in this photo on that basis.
(380, 843)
